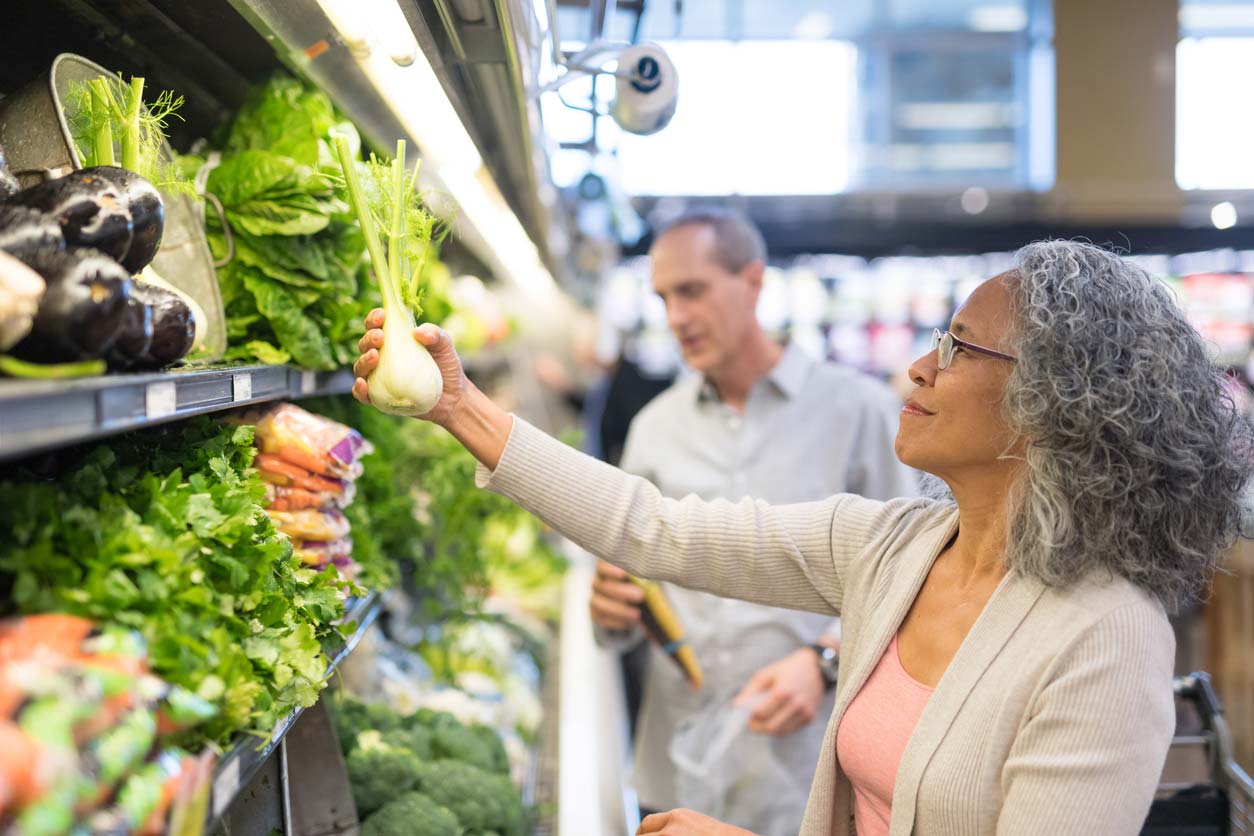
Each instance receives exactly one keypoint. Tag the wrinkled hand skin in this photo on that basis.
(616, 600)
(436, 341)
(791, 689)
(687, 823)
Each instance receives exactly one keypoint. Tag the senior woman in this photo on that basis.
(1006, 657)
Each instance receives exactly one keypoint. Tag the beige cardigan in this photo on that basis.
(1054, 717)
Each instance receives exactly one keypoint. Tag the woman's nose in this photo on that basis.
(923, 370)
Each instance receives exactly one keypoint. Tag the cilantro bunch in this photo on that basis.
(163, 531)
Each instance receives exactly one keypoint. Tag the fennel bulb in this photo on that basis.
(407, 380)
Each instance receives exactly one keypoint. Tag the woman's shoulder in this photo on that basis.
(1105, 615)
(890, 533)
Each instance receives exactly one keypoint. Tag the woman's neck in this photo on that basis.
(979, 547)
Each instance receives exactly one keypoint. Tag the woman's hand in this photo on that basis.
(481, 426)
(687, 823)
(436, 341)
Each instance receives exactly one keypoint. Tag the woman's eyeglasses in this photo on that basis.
(944, 343)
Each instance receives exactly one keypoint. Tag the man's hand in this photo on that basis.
(615, 599)
(791, 692)
(687, 823)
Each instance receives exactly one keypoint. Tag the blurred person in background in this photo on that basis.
(755, 419)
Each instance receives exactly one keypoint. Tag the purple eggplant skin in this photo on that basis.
(147, 210)
(83, 310)
(135, 338)
(24, 230)
(8, 183)
(88, 206)
(173, 326)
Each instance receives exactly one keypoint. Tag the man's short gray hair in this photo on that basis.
(737, 240)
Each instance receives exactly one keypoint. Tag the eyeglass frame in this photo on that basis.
(938, 337)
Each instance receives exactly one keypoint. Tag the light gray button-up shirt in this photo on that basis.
(808, 430)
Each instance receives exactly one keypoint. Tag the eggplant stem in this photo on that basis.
(46, 371)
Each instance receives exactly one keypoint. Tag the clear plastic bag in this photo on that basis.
(730, 773)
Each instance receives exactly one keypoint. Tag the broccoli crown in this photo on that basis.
(351, 717)
(415, 738)
(482, 801)
(478, 746)
(411, 814)
(378, 771)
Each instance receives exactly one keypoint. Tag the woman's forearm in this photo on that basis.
(481, 426)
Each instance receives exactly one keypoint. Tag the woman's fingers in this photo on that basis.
(371, 339)
(360, 390)
(375, 318)
(366, 363)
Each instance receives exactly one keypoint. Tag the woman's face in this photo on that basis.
(952, 425)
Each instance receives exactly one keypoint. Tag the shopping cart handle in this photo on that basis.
(1198, 687)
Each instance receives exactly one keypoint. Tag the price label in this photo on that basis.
(241, 387)
(225, 786)
(160, 399)
(308, 382)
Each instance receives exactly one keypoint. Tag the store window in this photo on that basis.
(1216, 51)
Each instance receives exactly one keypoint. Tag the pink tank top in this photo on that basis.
(873, 735)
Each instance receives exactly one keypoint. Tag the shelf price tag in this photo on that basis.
(160, 399)
(241, 387)
(308, 382)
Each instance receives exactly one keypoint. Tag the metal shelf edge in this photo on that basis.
(42, 415)
(245, 759)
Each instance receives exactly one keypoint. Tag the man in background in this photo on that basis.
(755, 419)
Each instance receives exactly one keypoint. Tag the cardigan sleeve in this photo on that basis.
(793, 556)
(1091, 752)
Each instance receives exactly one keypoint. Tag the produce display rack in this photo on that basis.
(241, 767)
(37, 415)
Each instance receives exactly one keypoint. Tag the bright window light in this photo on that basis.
(754, 117)
(1212, 129)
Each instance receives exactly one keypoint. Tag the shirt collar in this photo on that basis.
(788, 376)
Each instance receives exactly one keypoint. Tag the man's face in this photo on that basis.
(710, 310)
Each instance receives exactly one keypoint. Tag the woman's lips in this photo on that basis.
(912, 408)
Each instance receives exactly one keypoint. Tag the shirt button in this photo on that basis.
(733, 422)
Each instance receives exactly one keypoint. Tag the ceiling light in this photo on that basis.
(1224, 215)
(974, 200)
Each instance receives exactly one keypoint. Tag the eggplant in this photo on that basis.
(24, 230)
(83, 310)
(88, 206)
(135, 338)
(143, 201)
(8, 183)
(173, 326)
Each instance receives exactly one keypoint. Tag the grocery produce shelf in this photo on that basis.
(241, 764)
(38, 415)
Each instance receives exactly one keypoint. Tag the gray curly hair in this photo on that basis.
(1136, 455)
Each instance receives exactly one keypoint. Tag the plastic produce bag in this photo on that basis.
(311, 524)
(726, 771)
(317, 444)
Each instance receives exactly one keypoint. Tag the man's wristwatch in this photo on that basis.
(829, 663)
